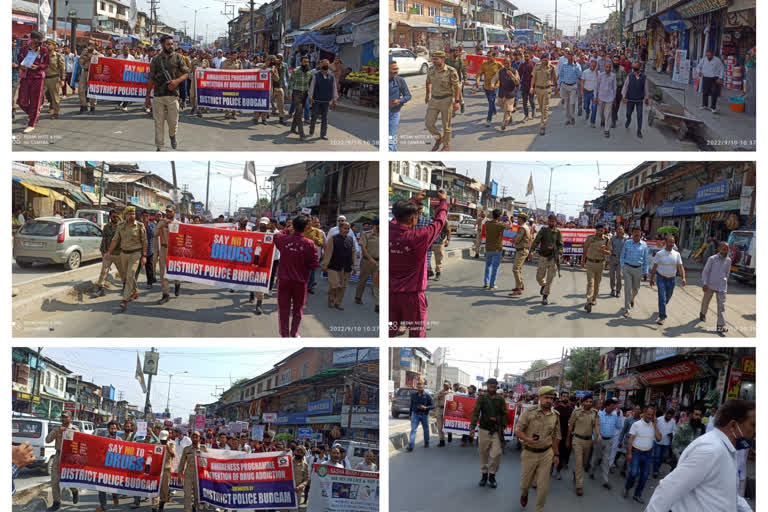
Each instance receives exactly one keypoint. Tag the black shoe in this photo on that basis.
(93, 109)
(176, 289)
(492, 481)
(82, 109)
(410, 448)
(613, 124)
(259, 310)
(544, 301)
(165, 299)
(100, 292)
(483, 480)
(293, 130)
(311, 291)
(56, 506)
(426, 445)
(638, 499)
(324, 137)
(639, 135)
(541, 291)
(75, 496)
(430, 273)
(450, 437)
(588, 307)
(441, 443)
(626, 125)
(462, 108)
(437, 276)
(173, 142)
(702, 318)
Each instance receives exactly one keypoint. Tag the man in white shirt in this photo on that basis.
(706, 478)
(711, 73)
(711, 421)
(642, 435)
(588, 87)
(218, 59)
(666, 264)
(661, 449)
(69, 68)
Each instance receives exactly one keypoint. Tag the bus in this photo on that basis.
(490, 36)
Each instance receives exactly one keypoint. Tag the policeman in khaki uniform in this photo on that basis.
(442, 97)
(539, 430)
(440, 409)
(54, 77)
(82, 88)
(57, 436)
(167, 71)
(188, 468)
(550, 252)
(301, 475)
(161, 243)
(523, 241)
(369, 263)
(455, 61)
(231, 63)
(543, 81)
(131, 237)
(581, 425)
(597, 248)
(491, 414)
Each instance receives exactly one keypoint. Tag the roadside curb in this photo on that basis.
(398, 441)
(356, 109)
(35, 498)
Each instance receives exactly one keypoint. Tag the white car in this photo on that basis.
(409, 62)
(467, 227)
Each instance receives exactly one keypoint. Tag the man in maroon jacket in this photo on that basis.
(408, 263)
(297, 257)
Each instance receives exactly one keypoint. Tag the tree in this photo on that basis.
(537, 365)
(583, 362)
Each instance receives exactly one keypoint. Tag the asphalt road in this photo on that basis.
(29, 478)
(22, 275)
(471, 134)
(114, 130)
(460, 307)
(199, 311)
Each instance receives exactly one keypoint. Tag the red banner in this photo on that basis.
(118, 79)
(227, 258)
(110, 465)
(458, 415)
(473, 62)
(687, 370)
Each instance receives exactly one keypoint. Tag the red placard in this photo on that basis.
(458, 415)
(473, 62)
(118, 79)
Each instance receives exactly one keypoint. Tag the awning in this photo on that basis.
(325, 42)
(640, 26)
(355, 16)
(24, 19)
(418, 24)
(43, 191)
(80, 197)
(673, 22)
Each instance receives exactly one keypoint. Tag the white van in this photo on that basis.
(454, 219)
(85, 427)
(98, 217)
(28, 428)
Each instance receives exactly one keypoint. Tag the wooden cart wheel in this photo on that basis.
(682, 130)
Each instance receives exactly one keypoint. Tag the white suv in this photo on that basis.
(409, 62)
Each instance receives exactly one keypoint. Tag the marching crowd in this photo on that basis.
(595, 80)
(705, 447)
(42, 72)
(183, 447)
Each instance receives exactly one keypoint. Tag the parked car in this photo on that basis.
(356, 450)
(742, 244)
(409, 62)
(98, 217)
(454, 219)
(401, 404)
(85, 427)
(466, 227)
(57, 240)
(31, 429)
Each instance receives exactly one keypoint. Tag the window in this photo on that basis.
(269, 383)
(285, 377)
(401, 6)
(304, 370)
(260, 387)
(47, 379)
(432, 10)
(102, 6)
(418, 8)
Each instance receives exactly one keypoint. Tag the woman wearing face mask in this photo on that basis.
(33, 61)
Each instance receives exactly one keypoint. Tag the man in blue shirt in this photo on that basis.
(399, 95)
(634, 265)
(569, 79)
(421, 404)
(609, 428)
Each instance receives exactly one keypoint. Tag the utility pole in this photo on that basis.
(562, 371)
(55, 16)
(253, 36)
(549, 194)
(229, 12)
(153, 6)
(555, 19)
(101, 183)
(37, 373)
(207, 185)
(352, 389)
(586, 370)
(498, 353)
(487, 191)
(72, 31)
(147, 404)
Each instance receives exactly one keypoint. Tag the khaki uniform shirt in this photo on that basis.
(57, 435)
(583, 422)
(231, 64)
(169, 456)
(85, 59)
(131, 236)
(535, 421)
(543, 75)
(441, 398)
(370, 240)
(56, 66)
(187, 463)
(593, 244)
(300, 473)
(444, 83)
(523, 238)
(161, 231)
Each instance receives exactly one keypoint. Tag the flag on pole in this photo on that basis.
(249, 173)
(140, 374)
(529, 190)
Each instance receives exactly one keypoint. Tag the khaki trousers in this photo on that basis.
(581, 449)
(546, 272)
(517, 267)
(594, 276)
(55, 487)
(478, 240)
(82, 90)
(52, 88)
(130, 263)
(165, 108)
(337, 286)
(190, 495)
(439, 421)
(542, 98)
(278, 96)
(367, 269)
(162, 260)
(106, 264)
(536, 466)
(705, 300)
(444, 108)
(437, 250)
(488, 446)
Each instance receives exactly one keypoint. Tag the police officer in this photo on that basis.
(131, 237)
(523, 240)
(538, 428)
(82, 89)
(440, 410)
(161, 243)
(551, 240)
(57, 436)
(491, 413)
(188, 468)
(596, 248)
(456, 63)
(167, 71)
(54, 77)
(581, 425)
(231, 63)
(479, 232)
(543, 82)
(442, 97)
(369, 264)
(107, 234)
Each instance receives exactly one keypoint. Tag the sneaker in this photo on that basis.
(492, 288)
(485, 285)
(29, 129)
(639, 135)
(487, 124)
(714, 110)
(703, 107)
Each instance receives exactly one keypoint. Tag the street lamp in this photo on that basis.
(194, 25)
(551, 171)
(168, 401)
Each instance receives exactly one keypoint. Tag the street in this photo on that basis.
(460, 307)
(471, 134)
(22, 275)
(454, 471)
(114, 130)
(199, 311)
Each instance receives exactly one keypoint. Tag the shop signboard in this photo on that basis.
(405, 357)
(305, 433)
(678, 69)
(680, 372)
(748, 365)
(319, 407)
(697, 7)
(445, 20)
(712, 191)
(746, 199)
(665, 210)
(722, 206)
(685, 207)
(734, 385)
(269, 417)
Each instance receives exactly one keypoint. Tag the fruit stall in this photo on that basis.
(364, 84)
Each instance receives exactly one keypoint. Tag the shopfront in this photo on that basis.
(739, 40)
(707, 19)
(680, 385)
(741, 379)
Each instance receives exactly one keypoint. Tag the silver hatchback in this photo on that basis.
(57, 240)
